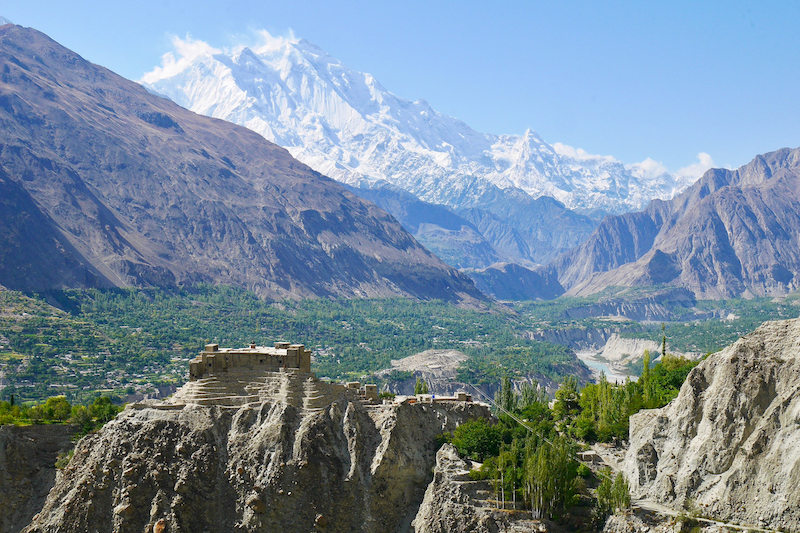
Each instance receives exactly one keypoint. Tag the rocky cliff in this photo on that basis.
(27, 470)
(654, 305)
(729, 445)
(253, 452)
(455, 503)
(104, 184)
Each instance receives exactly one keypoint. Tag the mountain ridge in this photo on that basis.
(135, 190)
(347, 125)
(730, 234)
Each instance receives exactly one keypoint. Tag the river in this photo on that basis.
(589, 358)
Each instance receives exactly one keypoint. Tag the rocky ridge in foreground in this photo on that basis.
(276, 451)
(728, 446)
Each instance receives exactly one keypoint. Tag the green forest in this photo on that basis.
(120, 342)
(132, 340)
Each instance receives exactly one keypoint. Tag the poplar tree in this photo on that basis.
(646, 396)
(506, 398)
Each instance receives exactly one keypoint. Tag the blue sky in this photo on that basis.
(665, 80)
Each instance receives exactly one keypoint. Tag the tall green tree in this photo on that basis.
(550, 473)
(506, 397)
(646, 380)
(566, 406)
(612, 494)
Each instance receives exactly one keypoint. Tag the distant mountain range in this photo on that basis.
(501, 225)
(104, 184)
(733, 233)
(526, 201)
(345, 125)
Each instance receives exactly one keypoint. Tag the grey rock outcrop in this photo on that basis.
(576, 338)
(272, 452)
(454, 503)
(27, 470)
(729, 444)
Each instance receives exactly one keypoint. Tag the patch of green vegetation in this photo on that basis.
(126, 340)
(726, 322)
(531, 465)
(530, 454)
(518, 359)
(64, 458)
(132, 341)
(601, 411)
(58, 410)
(613, 493)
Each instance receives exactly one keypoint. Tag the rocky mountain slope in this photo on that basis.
(729, 444)
(491, 225)
(440, 369)
(346, 125)
(451, 237)
(261, 452)
(105, 184)
(510, 281)
(655, 305)
(733, 233)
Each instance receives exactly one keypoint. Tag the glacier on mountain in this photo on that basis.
(345, 125)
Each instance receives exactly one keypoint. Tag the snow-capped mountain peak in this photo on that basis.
(346, 125)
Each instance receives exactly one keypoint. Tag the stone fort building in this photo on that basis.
(213, 359)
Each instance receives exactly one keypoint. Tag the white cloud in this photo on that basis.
(579, 153)
(187, 50)
(694, 171)
(648, 169)
(271, 43)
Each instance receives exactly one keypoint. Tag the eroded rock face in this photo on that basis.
(27, 470)
(455, 503)
(729, 444)
(305, 456)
